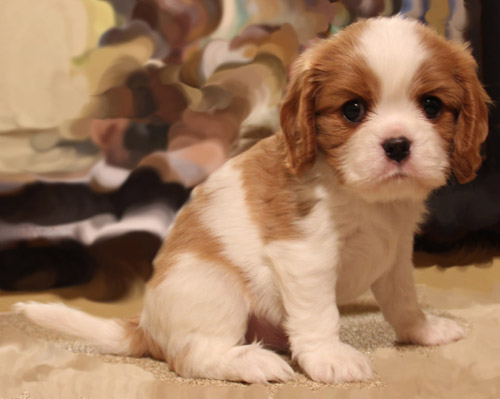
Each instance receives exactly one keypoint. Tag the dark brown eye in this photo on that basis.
(354, 110)
(432, 106)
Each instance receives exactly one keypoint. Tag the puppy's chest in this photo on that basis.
(369, 240)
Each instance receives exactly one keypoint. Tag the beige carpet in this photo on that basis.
(36, 363)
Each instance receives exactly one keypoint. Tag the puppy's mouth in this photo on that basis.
(402, 177)
(396, 173)
(399, 175)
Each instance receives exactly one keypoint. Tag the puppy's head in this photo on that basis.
(393, 107)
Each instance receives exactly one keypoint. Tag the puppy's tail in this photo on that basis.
(113, 336)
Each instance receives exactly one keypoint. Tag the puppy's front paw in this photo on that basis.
(434, 331)
(336, 364)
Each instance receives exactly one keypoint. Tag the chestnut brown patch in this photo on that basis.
(451, 75)
(190, 235)
(326, 77)
(276, 199)
(352, 79)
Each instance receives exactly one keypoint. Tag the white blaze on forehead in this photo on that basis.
(392, 48)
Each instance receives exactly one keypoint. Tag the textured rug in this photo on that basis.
(37, 363)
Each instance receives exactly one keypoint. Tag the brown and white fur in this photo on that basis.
(310, 218)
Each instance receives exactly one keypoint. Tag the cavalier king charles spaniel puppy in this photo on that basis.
(375, 118)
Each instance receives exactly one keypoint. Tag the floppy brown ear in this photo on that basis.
(297, 122)
(472, 123)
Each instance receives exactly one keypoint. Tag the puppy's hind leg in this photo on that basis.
(198, 315)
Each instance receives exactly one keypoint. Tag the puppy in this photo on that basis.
(374, 119)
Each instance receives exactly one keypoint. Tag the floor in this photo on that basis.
(35, 362)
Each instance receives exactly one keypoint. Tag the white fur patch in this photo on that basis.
(393, 51)
(199, 313)
(228, 218)
(106, 334)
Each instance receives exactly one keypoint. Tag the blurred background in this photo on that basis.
(111, 111)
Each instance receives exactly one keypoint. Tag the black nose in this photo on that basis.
(397, 148)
